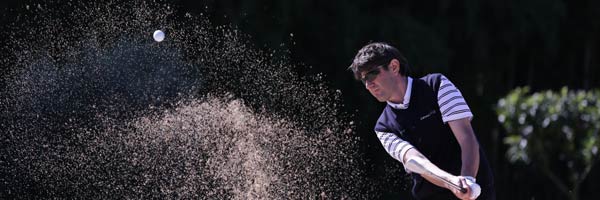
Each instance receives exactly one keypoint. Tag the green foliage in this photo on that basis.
(555, 132)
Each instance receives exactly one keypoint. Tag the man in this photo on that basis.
(425, 119)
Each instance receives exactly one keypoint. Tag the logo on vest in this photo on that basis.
(428, 115)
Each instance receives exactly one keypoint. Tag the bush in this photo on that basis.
(553, 132)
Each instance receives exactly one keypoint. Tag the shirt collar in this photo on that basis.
(404, 104)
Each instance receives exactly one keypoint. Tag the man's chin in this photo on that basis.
(381, 99)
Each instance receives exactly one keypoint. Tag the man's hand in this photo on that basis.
(473, 189)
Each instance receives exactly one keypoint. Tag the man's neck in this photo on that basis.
(402, 84)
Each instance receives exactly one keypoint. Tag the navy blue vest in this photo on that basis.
(422, 126)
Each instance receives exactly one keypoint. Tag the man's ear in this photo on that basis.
(395, 66)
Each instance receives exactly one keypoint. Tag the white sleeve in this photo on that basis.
(394, 145)
(452, 104)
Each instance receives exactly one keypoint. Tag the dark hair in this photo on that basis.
(377, 54)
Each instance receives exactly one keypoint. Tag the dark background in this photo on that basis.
(486, 48)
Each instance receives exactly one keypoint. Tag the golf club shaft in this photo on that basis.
(463, 190)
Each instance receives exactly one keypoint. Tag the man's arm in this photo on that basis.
(394, 145)
(468, 145)
(429, 166)
(403, 151)
(438, 174)
(457, 114)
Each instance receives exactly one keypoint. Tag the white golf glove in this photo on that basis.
(475, 188)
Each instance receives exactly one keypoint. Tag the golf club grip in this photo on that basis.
(463, 190)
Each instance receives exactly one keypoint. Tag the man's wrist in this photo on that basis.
(470, 178)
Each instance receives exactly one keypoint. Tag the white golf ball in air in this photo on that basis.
(158, 35)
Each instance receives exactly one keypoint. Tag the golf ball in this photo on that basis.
(158, 35)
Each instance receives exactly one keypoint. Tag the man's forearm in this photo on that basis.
(415, 154)
(470, 159)
(469, 146)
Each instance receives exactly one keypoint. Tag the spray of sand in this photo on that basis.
(92, 107)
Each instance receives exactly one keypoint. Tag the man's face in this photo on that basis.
(379, 82)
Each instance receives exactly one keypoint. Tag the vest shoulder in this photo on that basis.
(432, 80)
(385, 120)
